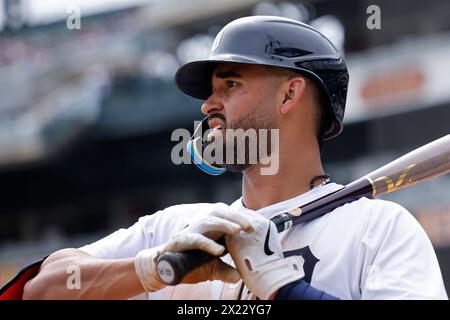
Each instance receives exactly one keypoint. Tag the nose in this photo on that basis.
(211, 105)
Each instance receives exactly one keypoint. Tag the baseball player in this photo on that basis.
(263, 72)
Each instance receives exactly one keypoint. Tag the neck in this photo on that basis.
(296, 169)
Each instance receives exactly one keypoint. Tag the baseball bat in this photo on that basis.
(424, 163)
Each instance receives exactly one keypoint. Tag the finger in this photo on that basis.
(192, 241)
(233, 216)
(215, 224)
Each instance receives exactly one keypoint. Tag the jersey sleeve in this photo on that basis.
(148, 232)
(399, 262)
(125, 242)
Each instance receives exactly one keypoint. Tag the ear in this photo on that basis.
(293, 92)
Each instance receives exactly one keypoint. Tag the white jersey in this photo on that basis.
(366, 249)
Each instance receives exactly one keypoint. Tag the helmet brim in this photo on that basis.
(194, 78)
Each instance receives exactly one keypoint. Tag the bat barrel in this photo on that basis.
(426, 162)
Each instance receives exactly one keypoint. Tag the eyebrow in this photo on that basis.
(227, 74)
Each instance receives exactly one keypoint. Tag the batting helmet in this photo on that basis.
(279, 42)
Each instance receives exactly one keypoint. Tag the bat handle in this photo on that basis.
(173, 266)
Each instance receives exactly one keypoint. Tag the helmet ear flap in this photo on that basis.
(332, 77)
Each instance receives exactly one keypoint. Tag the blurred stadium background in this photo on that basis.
(86, 115)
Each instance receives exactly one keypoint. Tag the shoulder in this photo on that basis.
(189, 209)
(386, 219)
(374, 205)
(375, 209)
(192, 207)
(380, 216)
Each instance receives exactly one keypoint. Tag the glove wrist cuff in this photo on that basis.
(270, 278)
(145, 266)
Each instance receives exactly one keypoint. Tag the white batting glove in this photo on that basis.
(200, 234)
(259, 258)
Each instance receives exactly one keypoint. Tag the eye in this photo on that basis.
(231, 84)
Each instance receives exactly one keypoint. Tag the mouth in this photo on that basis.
(216, 124)
(217, 127)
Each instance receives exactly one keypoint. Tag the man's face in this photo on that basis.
(243, 97)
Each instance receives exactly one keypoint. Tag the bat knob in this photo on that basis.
(172, 267)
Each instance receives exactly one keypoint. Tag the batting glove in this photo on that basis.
(259, 258)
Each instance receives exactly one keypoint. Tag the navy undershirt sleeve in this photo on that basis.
(302, 290)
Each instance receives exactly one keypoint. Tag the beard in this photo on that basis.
(241, 149)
